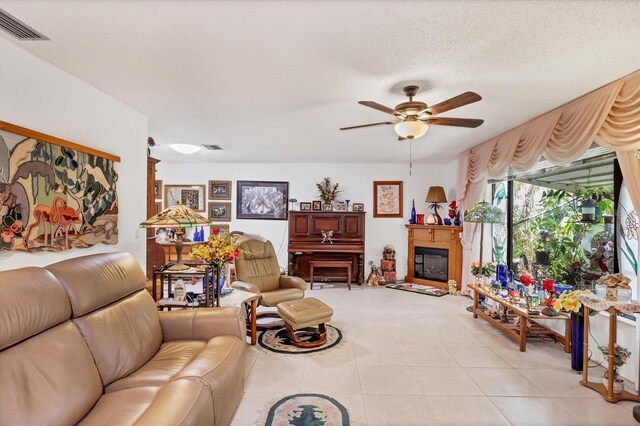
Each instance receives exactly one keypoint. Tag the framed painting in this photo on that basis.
(262, 200)
(55, 194)
(158, 207)
(219, 190)
(387, 198)
(157, 189)
(191, 196)
(317, 206)
(220, 212)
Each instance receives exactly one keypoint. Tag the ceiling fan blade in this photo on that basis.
(379, 107)
(456, 102)
(368, 125)
(458, 122)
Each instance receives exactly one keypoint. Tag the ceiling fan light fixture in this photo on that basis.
(184, 148)
(411, 129)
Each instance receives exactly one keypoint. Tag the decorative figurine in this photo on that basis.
(413, 219)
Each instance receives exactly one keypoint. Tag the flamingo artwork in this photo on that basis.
(57, 214)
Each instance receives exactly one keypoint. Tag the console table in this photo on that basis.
(520, 333)
(600, 304)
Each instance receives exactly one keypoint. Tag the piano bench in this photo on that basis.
(330, 264)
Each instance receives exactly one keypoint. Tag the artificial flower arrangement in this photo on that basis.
(570, 302)
(620, 357)
(328, 191)
(486, 269)
(220, 249)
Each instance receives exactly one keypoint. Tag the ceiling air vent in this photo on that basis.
(213, 147)
(19, 29)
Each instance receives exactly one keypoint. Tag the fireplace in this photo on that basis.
(431, 264)
(434, 255)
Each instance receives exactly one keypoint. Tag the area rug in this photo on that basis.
(419, 288)
(278, 341)
(307, 409)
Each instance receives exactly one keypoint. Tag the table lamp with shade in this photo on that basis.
(436, 195)
(482, 213)
(179, 217)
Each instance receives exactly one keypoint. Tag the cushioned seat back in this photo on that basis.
(258, 263)
(115, 314)
(47, 374)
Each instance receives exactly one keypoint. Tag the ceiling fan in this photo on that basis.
(412, 118)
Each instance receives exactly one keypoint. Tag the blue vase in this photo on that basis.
(501, 275)
(577, 341)
(414, 217)
(447, 221)
(457, 221)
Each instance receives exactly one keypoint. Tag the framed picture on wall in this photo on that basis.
(219, 211)
(191, 196)
(219, 189)
(262, 200)
(387, 198)
(317, 206)
(305, 207)
(157, 189)
(158, 207)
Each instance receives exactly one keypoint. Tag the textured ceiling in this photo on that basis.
(273, 81)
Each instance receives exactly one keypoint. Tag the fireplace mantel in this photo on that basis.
(440, 237)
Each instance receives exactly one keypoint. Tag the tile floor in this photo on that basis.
(411, 359)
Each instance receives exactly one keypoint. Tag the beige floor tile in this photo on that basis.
(596, 411)
(466, 410)
(379, 354)
(342, 354)
(275, 378)
(533, 411)
(387, 380)
(266, 357)
(331, 379)
(426, 354)
(477, 357)
(535, 357)
(444, 381)
(254, 407)
(399, 410)
(355, 407)
(502, 382)
(555, 382)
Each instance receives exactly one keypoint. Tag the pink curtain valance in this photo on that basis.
(609, 116)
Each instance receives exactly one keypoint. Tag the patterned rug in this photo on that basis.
(277, 341)
(307, 409)
(419, 288)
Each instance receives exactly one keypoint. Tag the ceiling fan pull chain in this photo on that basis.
(410, 156)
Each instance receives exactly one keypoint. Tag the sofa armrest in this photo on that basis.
(203, 324)
(251, 288)
(287, 281)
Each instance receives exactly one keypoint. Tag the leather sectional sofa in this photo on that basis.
(81, 341)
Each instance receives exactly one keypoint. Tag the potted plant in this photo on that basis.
(328, 191)
(482, 270)
(620, 356)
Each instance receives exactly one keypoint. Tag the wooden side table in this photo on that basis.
(600, 304)
(330, 264)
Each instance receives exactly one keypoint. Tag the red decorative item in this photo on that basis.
(526, 280)
(420, 219)
(547, 284)
(453, 207)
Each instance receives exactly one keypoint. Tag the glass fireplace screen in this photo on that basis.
(431, 264)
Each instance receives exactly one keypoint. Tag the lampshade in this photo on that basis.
(436, 195)
(484, 212)
(177, 216)
(411, 128)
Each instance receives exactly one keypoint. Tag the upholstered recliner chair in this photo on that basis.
(257, 271)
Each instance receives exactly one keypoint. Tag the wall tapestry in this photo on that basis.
(54, 195)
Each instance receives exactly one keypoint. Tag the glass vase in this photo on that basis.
(577, 341)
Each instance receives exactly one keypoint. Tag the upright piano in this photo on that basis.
(306, 243)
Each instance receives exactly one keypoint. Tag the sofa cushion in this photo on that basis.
(122, 336)
(170, 359)
(31, 300)
(220, 366)
(258, 263)
(272, 298)
(98, 280)
(48, 379)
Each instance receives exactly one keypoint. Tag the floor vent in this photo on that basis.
(213, 147)
(19, 29)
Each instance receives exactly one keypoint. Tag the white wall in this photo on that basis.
(39, 96)
(356, 180)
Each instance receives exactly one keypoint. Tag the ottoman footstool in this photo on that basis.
(303, 313)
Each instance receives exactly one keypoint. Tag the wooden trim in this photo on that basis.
(12, 128)
(375, 197)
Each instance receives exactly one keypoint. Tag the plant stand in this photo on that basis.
(612, 308)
